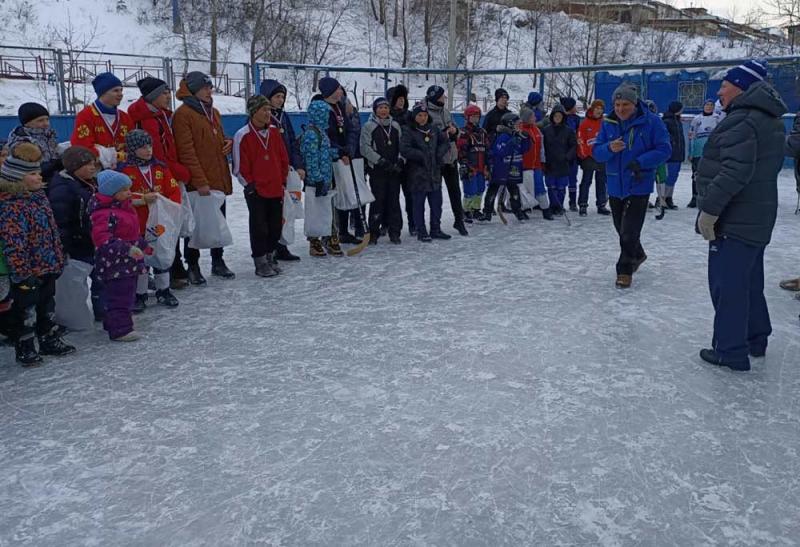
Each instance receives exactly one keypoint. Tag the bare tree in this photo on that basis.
(787, 11)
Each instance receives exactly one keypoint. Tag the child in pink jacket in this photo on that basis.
(119, 258)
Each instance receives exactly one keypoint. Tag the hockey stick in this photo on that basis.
(500, 199)
(364, 242)
(797, 209)
(566, 217)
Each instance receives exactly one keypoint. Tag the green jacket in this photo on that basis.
(737, 178)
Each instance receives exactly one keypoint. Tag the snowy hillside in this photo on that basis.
(498, 37)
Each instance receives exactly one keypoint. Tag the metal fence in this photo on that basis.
(66, 75)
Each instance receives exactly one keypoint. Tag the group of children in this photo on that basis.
(90, 203)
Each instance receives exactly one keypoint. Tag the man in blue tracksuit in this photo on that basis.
(632, 143)
(737, 195)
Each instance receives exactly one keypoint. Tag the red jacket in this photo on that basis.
(90, 129)
(587, 134)
(162, 182)
(158, 124)
(253, 164)
(532, 159)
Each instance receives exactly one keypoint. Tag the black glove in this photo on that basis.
(463, 172)
(635, 168)
(250, 190)
(384, 164)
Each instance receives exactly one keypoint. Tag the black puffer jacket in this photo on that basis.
(676, 137)
(69, 198)
(560, 145)
(737, 178)
(492, 119)
(424, 159)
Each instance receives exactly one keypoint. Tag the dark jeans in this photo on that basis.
(266, 221)
(120, 294)
(695, 163)
(736, 284)
(600, 182)
(629, 215)
(453, 183)
(193, 255)
(435, 202)
(344, 218)
(34, 307)
(491, 194)
(386, 207)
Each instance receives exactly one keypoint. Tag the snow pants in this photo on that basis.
(120, 294)
(629, 214)
(736, 284)
(385, 210)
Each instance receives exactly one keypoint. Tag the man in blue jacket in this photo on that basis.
(737, 195)
(632, 142)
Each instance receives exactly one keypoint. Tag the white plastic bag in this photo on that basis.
(72, 296)
(210, 227)
(294, 184)
(318, 214)
(345, 197)
(287, 232)
(161, 232)
(187, 220)
(107, 156)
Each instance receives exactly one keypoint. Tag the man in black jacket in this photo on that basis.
(672, 121)
(399, 111)
(737, 187)
(495, 116)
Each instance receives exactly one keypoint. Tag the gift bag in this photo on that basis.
(318, 214)
(72, 296)
(287, 232)
(210, 227)
(164, 219)
(345, 195)
(294, 185)
(187, 220)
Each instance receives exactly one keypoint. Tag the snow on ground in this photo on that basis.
(490, 390)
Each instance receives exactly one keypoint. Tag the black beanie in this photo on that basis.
(30, 111)
(500, 92)
(151, 88)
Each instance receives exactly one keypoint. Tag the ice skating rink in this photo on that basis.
(490, 390)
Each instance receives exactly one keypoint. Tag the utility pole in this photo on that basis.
(451, 54)
(176, 17)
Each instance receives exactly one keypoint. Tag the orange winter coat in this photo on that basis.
(91, 129)
(160, 181)
(532, 159)
(587, 134)
(200, 141)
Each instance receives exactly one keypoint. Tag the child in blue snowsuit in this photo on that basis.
(573, 121)
(508, 148)
(473, 144)
(560, 150)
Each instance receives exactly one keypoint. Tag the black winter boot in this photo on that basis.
(692, 203)
(140, 303)
(282, 253)
(460, 228)
(582, 211)
(220, 269)
(603, 210)
(573, 201)
(671, 204)
(195, 276)
(26, 353)
(166, 298)
(547, 214)
(52, 344)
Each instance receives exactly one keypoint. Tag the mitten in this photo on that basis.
(136, 253)
(250, 190)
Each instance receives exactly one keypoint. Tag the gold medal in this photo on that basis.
(341, 130)
(281, 130)
(389, 143)
(427, 139)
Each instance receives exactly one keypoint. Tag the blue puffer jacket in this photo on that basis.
(506, 155)
(646, 141)
(316, 147)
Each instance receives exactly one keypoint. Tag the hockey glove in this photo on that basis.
(635, 168)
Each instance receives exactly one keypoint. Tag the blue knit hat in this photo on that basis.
(105, 82)
(535, 98)
(568, 103)
(328, 86)
(745, 75)
(378, 102)
(110, 182)
(434, 93)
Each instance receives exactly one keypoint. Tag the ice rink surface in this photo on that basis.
(490, 390)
